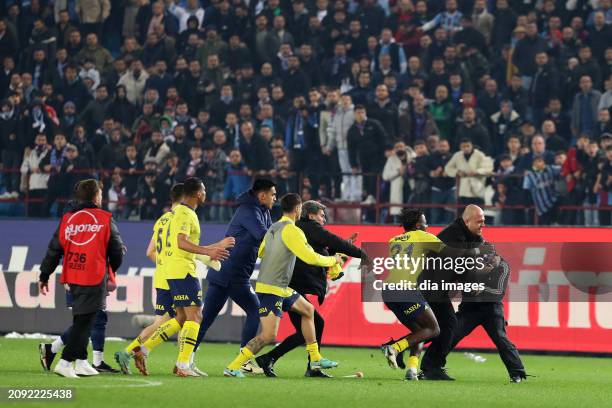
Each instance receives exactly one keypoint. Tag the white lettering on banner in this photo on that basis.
(24, 283)
(18, 258)
(5, 295)
(603, 309)
(375, 312)
(134, 294)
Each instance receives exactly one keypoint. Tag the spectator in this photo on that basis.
(553, 141)
(11, 147)
(37, 178)
(150, 206)
(395, 172)
(503, 123)
(92, 14)
(254, 150)
(525, 53)
(53, 164)
(94, 52)
(367, 141)
(237, 179)
(604, 188)
(474, 131)
(584, 109)
(416, 123)
(134, 81)
(443, 188)
(116, 196)
(337, 138)
(538, 148)
(471, 166)
(158, 150)
(539, 181)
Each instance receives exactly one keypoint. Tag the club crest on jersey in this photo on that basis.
(83, 230)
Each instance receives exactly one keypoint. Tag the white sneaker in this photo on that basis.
(5, 195)
(391, 354)
(251, 368)
(82, 367)
(14, 194)
(197, 371)
(65, 369)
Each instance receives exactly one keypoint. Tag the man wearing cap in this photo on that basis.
(311, 280)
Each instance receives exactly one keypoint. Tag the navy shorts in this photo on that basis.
(408, 307)
(269, 303)
(186, 292)
(163, 303)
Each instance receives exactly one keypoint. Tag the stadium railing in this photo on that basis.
(377, 212)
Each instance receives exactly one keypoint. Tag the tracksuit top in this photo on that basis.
(283, 242)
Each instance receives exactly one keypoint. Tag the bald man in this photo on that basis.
(465, 232)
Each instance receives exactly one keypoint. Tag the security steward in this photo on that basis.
(88, 241)
(485, 308)
(464, 232)
(311, 280)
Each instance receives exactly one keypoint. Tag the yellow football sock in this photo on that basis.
(413, 362)
(135, 343)
(242, 357)
(163, 333)
(400, 345)
(187, 341)
(313, 351)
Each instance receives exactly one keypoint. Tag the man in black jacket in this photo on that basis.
(464, 232)
(91, 257)
(485, 308)
(367, 142)
(311, 280)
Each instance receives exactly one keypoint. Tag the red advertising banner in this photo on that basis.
(552, 302)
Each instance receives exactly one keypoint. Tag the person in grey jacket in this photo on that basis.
(337, 138)
(584, 109)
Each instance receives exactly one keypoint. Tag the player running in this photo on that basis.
(164, 309)
(282, 244)
(409, 306)
(179, 248)
(248, 226)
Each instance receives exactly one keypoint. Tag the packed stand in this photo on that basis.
(423, 103)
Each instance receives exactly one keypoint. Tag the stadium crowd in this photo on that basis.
(498, 102)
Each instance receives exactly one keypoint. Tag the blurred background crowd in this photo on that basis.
(365, 105)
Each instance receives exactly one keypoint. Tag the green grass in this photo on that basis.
(559, 382)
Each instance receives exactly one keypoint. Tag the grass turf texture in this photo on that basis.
(559, 382)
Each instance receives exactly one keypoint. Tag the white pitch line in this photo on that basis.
(140, 383)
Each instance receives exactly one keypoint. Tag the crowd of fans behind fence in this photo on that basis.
(401, 102)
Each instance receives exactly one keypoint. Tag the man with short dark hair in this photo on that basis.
(248, 226)
(282, 245)
(309, 279)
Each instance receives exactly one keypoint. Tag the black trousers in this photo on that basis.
(78, 337)
(435, 355)
(297, 339)
(489, 315)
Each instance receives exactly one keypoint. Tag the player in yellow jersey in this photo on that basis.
(180, 249)
(164, 309)
(409, 306)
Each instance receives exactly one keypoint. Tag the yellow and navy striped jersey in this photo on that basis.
(181, 263)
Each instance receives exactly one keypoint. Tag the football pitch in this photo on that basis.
(558, 382)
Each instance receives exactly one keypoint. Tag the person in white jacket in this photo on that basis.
(36, 181)
(337, 132)
(394, 172)
(134, 81)
(472, 166)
